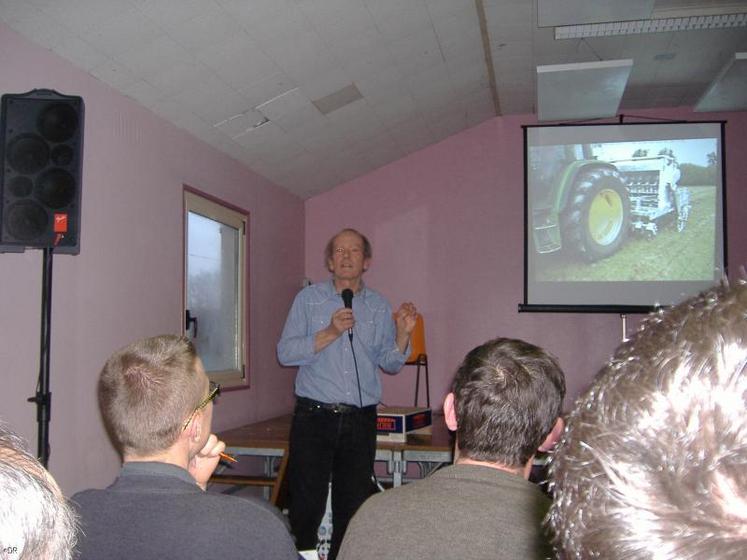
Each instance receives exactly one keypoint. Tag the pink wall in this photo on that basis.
(127, 281)
(446, 225)
(445, 222)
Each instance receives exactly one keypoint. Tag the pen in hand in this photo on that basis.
(229, 458)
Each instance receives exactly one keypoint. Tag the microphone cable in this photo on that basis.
(357, 375)
(371, 460)
(347, 299)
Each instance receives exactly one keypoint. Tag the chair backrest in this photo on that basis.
(417, 341)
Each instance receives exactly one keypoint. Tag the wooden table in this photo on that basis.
(269, 439)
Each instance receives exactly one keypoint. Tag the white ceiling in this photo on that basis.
(219, 68)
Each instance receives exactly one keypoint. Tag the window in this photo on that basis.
(215, 286)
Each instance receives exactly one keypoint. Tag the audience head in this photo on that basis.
(36, 523)
(148, 390)
(653, 463)
(507, 397)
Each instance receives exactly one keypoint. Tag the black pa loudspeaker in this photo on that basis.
(41, 150)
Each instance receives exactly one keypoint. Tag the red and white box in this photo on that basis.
(395, 423)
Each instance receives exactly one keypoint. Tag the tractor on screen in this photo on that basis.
(589, 207)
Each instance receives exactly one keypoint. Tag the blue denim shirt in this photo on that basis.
(329, 375)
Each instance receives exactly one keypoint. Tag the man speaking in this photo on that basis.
(333, 435)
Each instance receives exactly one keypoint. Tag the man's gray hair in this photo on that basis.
(508, 395)
(36, 522)
(653, 463)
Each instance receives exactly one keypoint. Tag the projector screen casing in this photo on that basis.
(602, 214)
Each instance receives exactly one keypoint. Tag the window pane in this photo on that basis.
(213, 290)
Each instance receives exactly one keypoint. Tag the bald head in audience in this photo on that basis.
(653, 463)
(36, 522)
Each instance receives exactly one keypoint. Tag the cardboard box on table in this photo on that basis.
(396, 422)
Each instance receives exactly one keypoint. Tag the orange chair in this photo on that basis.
(419, 358)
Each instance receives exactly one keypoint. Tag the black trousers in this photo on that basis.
(328, 443)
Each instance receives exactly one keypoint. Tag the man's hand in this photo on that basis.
(404, 320)
(202, 465)
(340, 322)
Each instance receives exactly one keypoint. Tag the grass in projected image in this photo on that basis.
(670, 255)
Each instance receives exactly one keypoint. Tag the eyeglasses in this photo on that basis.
(214, 392)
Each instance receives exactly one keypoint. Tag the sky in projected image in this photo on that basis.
(693, 151)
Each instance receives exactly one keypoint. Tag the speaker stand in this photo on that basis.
(43, 397)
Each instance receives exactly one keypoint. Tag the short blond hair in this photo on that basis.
(146, 392)
(653, 463)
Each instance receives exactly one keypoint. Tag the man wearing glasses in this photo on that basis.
(157, 404)
(339, 333)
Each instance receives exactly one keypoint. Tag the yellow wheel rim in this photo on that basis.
(606, 216)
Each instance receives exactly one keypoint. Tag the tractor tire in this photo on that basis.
(597, 216)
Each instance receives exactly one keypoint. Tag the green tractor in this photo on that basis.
(589, 207)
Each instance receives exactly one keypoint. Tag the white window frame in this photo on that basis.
(215, 209)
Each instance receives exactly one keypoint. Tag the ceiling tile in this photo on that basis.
(459, 32)
(574, 12)
(480, 107)
(79, 52)
(383, 86)
(198, 127)
(287, 42)
(325, 83)
(319, 139)
(37, 26)
(115, 74)
(307, 116)
(238, 61)
(143, 92)
(13, 13)
(267, 88)
(517, 76)
(212, 101)
(440, 9)
(239, 124)
(335, 20)
(516, 101)
(399, 19)
(184, 76)
(384, 151)
(412, 134)
(501, 32)
(416, 52)
(82, 15)
(279, 153)
(468, 77)
(268, 133)
(205, 30)
(153, 57)
(168, 13)
(308, 67)
(361, 63)
(399, 109)
(118, 35)
(170, 109)
(355, 114)
(514, 13)
(284, 104)
(432, 88)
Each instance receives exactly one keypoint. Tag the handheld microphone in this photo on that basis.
(347, 299)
